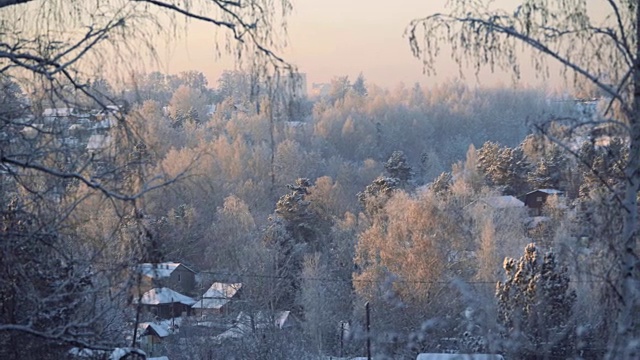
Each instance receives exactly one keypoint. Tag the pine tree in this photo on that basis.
(359, 86)
(293, 208)
(504, 167)
(535, 306)
(488, 157)
(376, 194)
(397, 166)
(442, 183)
(549, 172)
(294, 232)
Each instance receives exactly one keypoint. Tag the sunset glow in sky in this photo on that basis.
(343, 37)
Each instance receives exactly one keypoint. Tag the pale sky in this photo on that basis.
(330, 38)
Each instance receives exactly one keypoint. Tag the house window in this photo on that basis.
(539, 199)
(179, 277)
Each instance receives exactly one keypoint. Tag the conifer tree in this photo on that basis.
(376, 194)
(535, 306)
(397, 166)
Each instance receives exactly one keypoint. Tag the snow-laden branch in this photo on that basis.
(93, 183)
(190, 14)
(624, 40)
(481, 27)
(71, 339)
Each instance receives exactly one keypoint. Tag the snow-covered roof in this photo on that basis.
(217, 296)
(281, 318)
(425, 356)
(244, 324)
(160, 329)
(98, 142)
(160, 270)
(236, 332)
(548, 191)
(501, 202)
(120, 353)
(163, 295)
(222, 290)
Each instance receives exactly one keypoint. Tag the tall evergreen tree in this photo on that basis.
(359, 86)
(398, 167)
(295, 231)
(376, 194)
(535, 306)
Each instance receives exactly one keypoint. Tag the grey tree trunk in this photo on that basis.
(628, 322)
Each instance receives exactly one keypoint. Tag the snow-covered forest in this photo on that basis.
(407, 199)
(257, 216)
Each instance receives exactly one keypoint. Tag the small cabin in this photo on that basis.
(218, 299)
(536, 199)
(165, 303)
(175, 276)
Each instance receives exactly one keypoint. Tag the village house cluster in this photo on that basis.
(172, 302)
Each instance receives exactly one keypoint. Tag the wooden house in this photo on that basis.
(152, 336)
(165, 303)
(219, 299)
(175, 276)
(536, 199)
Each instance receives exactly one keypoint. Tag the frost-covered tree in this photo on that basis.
(81, 213)
(234, 86)
(376, 194)
(188, 105)
(535, 305)
(488, 157)
(194, 80)
(27, 286)
(340, 87)
(398, 167)
(294, 232)
(550, 171)
(603, 51)
(504, 167)
(293, 208)
(359, 86)
(320, 299)
(467, 179)
(514, 175)
(442, 183)
(12, 101)
(402, 258)
(602, 166)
